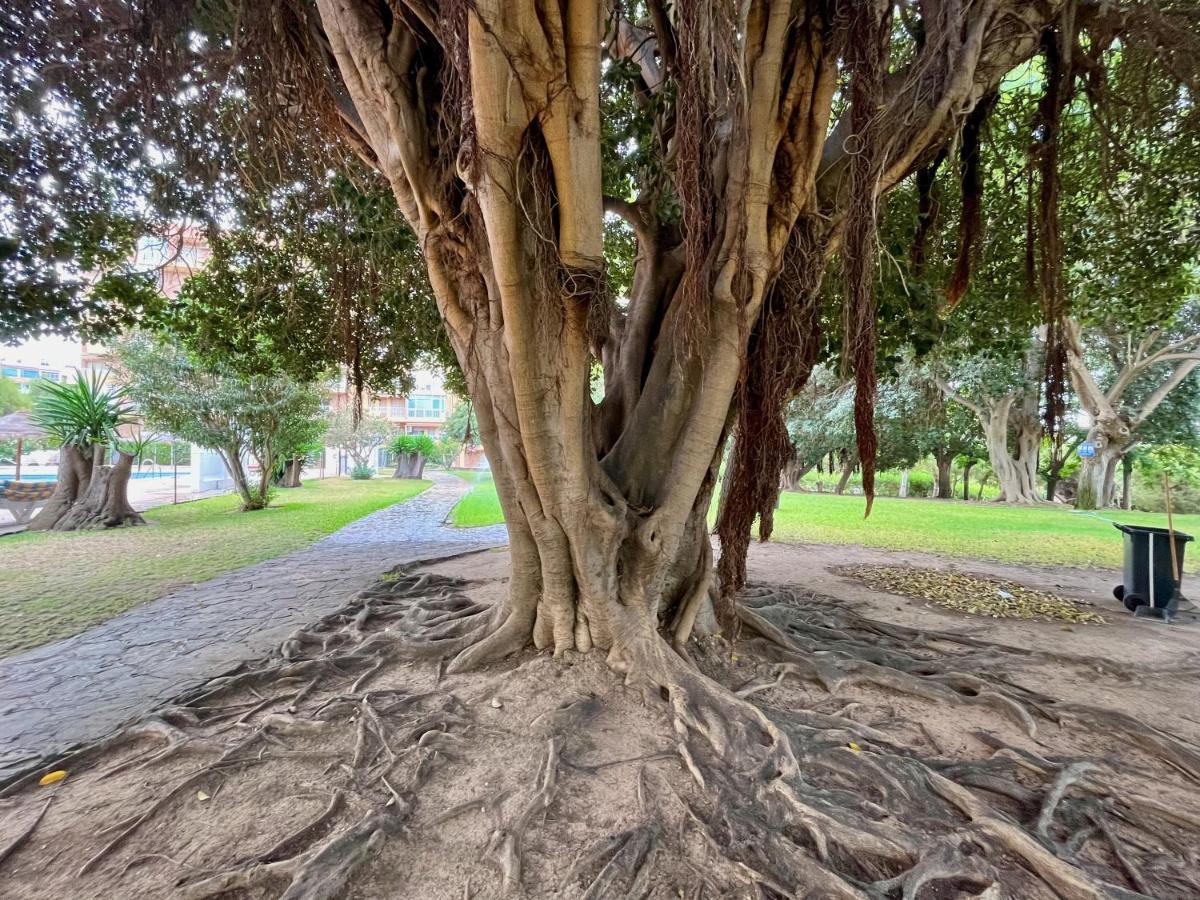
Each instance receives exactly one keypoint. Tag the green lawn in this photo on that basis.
(54, 585)
(481, 506)
(1042, 535)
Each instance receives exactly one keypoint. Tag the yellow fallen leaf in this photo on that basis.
(854, 746)
(52, 777)
(200, 795)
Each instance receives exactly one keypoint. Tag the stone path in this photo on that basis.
(79, 689)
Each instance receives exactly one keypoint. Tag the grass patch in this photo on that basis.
(481, 506)
(56, 584)
(1042, 535)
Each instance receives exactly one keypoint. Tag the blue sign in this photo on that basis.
(1087, 448)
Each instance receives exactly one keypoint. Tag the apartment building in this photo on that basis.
(26, 374)
(424, 410)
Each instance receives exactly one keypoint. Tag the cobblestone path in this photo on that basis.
(79, 689)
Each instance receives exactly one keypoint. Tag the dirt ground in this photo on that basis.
(1171, 703)
(343, 767)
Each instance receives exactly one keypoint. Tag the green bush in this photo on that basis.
(362, 472)
(413, 443)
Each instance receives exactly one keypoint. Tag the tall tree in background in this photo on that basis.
(748, 172)
(266, 417)
(749, 148)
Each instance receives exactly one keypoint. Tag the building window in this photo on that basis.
(426, 407)
(50, 376)
(397, 407)
(29, 373)
(9, 372)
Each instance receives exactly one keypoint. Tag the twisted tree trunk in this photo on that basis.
(485, 119)
(90, 493)
(945, 490)
(409, 465)
(291, 473)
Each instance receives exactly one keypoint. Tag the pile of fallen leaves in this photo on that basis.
(974, 595)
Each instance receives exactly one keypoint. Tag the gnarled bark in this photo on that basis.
(485, 119)
(1113, 431)
(90, 492)
(1012, 433)
(291, 473)
(409, 465)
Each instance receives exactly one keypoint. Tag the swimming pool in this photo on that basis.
(53, 476)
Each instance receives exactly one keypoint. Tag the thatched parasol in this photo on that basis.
(20, 426)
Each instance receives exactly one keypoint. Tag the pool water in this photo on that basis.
(53, 476)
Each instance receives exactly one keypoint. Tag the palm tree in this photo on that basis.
(84, 416)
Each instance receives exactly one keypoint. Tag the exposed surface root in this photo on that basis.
(827, 756)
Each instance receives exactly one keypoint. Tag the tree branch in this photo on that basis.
(1176, 378)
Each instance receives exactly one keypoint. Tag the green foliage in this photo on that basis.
(361, 472)
(462, 420)
(359, 439)
(83, 412)
(269, 416)
(413, 443)
(12, 399)
(336, 283)
(445, 451)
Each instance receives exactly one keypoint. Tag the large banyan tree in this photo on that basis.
(748, 147)
(766, 134)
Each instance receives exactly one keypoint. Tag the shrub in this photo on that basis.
(362, 472)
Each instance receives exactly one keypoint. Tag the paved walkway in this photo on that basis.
(79, 689)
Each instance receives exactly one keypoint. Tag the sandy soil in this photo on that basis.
(1172, 703)
(235, 783)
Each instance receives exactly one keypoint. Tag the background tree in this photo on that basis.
(411, 452)
(12, 399)
(462, 426)
(1141, 374)
(267, 417)
(328, 278)
(360, 438)
(84, 416)
(759, 141)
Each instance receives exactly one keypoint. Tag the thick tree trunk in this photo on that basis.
(970, 464)
(1097, 474)
(292, 472)
(943, 490)
(847, 471)
(494, 156)
(793, 471)
(1016, 472)
(90, 493)
(409, 465)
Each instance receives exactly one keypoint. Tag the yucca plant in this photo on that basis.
(82, 413)
(411, 451)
